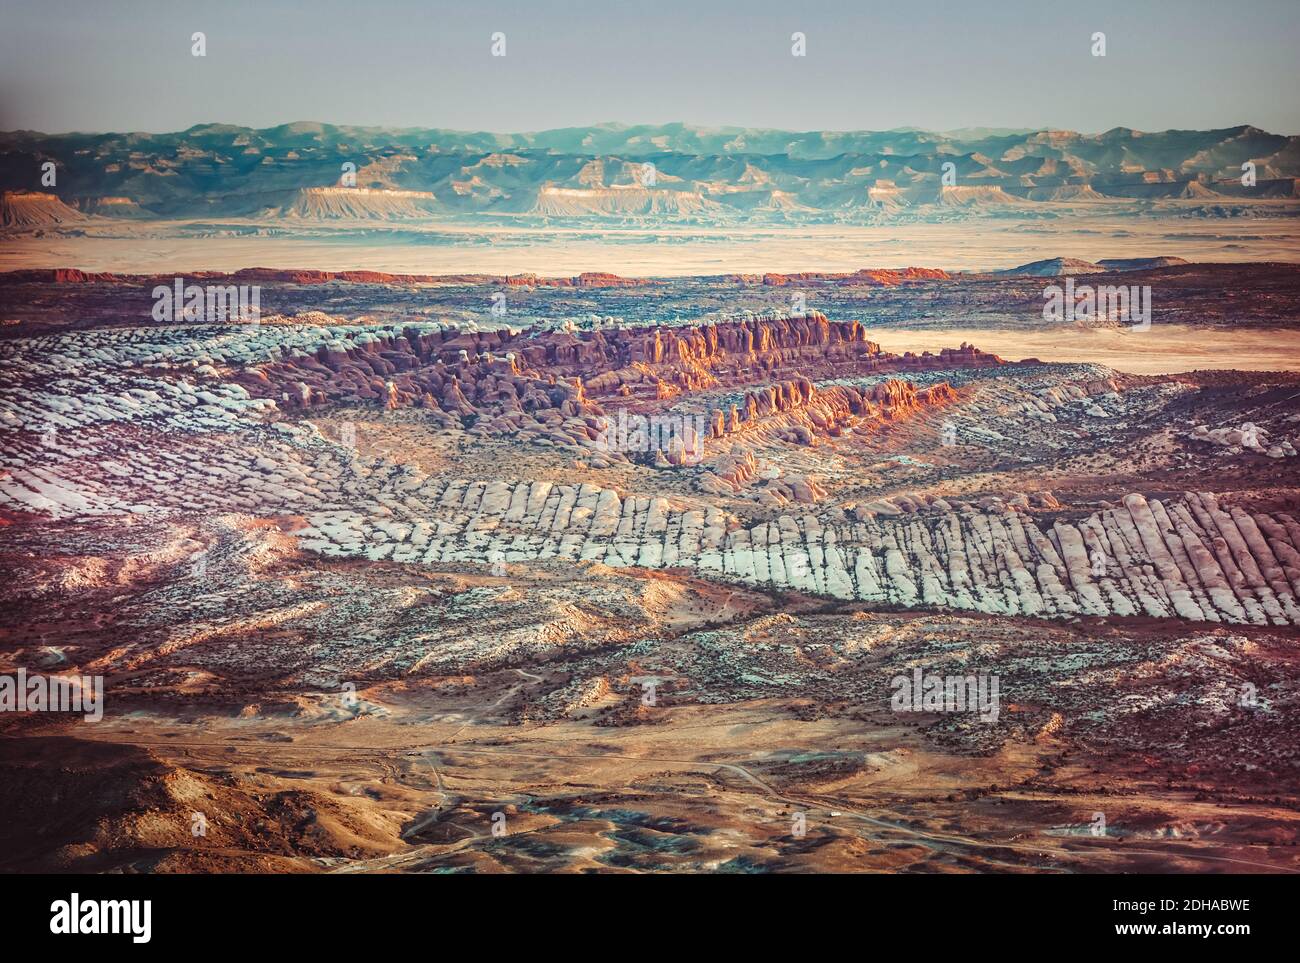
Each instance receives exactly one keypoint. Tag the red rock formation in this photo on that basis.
(497, 378)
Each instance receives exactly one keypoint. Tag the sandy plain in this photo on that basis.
(985, 244)
(1167, 349)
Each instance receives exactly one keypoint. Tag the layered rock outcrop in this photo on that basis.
(537, 382)
(102, 425)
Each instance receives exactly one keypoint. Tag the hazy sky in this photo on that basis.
(121, 65)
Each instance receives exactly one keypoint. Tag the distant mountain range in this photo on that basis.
(310, 172)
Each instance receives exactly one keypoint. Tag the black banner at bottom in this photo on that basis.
(167, 913)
